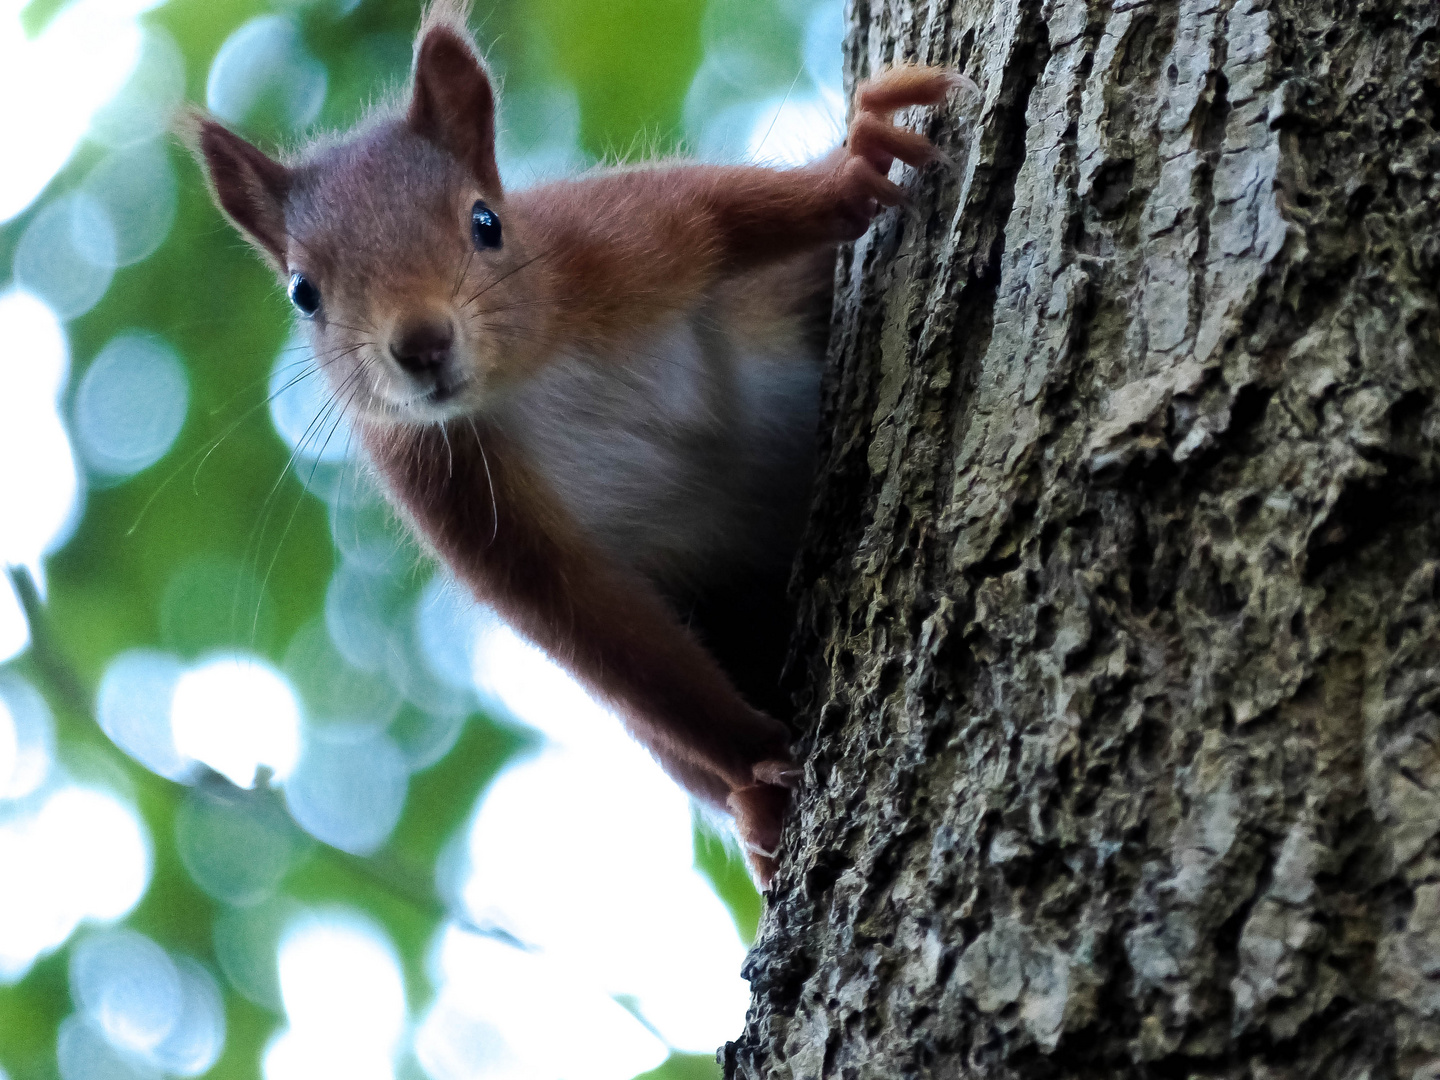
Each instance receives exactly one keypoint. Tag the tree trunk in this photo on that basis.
(1120, 603)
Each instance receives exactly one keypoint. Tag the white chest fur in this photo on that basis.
(683, 454)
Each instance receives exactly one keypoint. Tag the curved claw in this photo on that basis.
(756, 849)
(778, 773)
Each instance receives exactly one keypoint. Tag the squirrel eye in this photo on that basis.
(484, 227)
(304, 295)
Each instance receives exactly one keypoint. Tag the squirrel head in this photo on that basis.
(394, 241)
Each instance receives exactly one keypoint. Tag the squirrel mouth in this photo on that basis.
(442, 392)
(425, 402)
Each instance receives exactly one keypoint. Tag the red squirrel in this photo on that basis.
(594, 400)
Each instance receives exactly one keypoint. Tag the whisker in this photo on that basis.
(316, 422)
(300, 498)
(489, 481)
(256, 536)
(352, 329)
(460, 275)
(257, 532)
(449, 454)
(512, 271)
(705, 318)
(304, 361)
(647, 294)
(529, 333)
(201, 453)
(195, 480)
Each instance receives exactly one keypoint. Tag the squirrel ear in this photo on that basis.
(250, 187)
(452, 104)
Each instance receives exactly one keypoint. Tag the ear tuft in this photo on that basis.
(248, 186)
(454, 14)
(452, 103)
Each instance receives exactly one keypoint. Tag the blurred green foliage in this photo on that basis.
(631, 60)
(220, 546)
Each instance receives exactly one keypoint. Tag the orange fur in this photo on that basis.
(608, 442)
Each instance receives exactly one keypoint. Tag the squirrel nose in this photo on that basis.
(422, 348)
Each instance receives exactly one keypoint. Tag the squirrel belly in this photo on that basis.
(594, 400)
(689, 458)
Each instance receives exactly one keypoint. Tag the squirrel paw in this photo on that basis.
(874, 143)
(759, 814)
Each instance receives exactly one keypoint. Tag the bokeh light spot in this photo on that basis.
(823, 46)
(426, 681)
(359, 610)
(9, 746)
(247, 947)
(133, 708)
(425, 738)
(106, 862)
(790, 131)
(63, 76)
(37, 502)
(24, 713)
(14, 627)
(650, 927)
(516, 676)
(67, 254)
(141, 110)
(264, 69)
(236, 845)
(448, 623)
(82, 1053)
(236, 713)
(157, 1013)
(454, 1044)
(495, 993)
(366, 530)
(339, 973)
(137, 188)
(198, 1036)
(349, 788)
(130, 405)
(80, 854)
(333, 689)
(344, 997)
(128, 986)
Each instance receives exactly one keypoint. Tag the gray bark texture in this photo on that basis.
(1120, 619)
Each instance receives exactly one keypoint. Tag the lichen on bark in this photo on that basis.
(1120, 634)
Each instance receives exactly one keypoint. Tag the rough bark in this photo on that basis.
(1121, 611)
